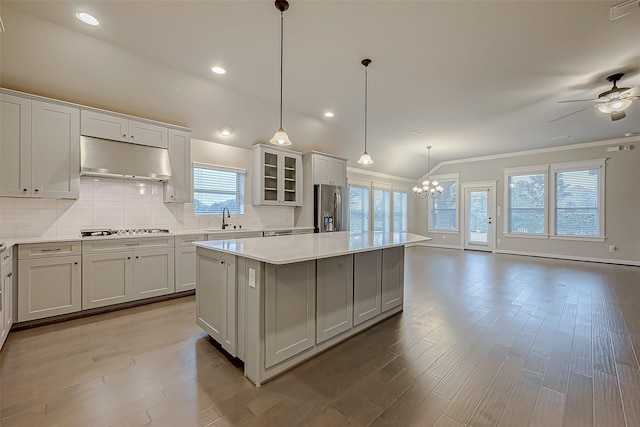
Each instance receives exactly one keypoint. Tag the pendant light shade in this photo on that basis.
(281, 137)
(365, 158)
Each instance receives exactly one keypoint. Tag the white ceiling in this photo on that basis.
(478, 77)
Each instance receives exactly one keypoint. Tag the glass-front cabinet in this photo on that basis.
(277, 176)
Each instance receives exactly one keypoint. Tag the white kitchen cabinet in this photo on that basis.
(367, 286)
(49, 284)
(290, 310)
(329, 170)
(277, 177)
(39, 149)
(123, 270)
(185, 261)
(392, 277)
(6, 295)
(334, 285)
(179, 188)
(216, 306)
(119, 128)
(153, 273)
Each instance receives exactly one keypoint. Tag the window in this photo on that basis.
(381, 210)
(443, 211)
(216, 188)
(578, 190)
(526, 203)
(399, 211)
(358, 209)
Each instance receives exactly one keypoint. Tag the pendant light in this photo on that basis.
(281, 137)
(365, 158)
(430, 189)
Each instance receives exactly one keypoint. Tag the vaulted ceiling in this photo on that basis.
(470, 78)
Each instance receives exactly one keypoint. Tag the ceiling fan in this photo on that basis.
(613, 101)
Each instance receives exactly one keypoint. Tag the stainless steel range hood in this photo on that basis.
(106, 158)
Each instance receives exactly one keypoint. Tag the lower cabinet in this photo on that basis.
(153, 273)
(290, 310)
(6, 296)
(185, 261)
(216, 298)
(106, 279)
(49, 287)
(334, 305)
(392, 277)
(367, 286)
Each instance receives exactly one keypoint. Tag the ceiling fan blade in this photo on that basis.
(631, 92)
(577, 100)
(570, 114)
(618, 115)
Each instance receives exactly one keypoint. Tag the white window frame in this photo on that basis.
(404, 191)
(445, 177)
(377, 185)
(579, 166)
(226, 169)
(365, 185)
(381, 186)
(526, 170)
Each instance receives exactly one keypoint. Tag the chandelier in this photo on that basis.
(430, 189)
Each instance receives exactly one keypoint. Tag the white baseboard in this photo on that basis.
(570, 257)
(436, 245)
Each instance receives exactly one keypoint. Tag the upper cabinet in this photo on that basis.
(39, 149)
(329, 170)
(277, 176)
(179, 188)
(118, 128)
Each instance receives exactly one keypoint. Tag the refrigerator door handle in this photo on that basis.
(337, 209)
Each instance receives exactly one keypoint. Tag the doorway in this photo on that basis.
(479, 216)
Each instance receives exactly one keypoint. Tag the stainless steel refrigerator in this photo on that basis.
(330, 208)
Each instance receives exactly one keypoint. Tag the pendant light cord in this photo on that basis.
(366, 92)
(281, 59)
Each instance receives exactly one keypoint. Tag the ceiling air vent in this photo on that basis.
(621, 9)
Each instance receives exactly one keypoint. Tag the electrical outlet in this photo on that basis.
(612, 248)
(252, 278)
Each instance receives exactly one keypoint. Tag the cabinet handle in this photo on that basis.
(36, 189)
(10, 275)
(51, 250)
(124, 135)
(221, 262)
(128, 257)
(75, 263)
(131, 136)
(131, 244)
(24, 189)
(137, 257)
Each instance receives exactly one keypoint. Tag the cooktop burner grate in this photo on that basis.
(123, 232)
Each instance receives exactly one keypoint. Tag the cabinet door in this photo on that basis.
(147, 134)
(272, 176)
(321, 169)
(179, 188)
(105, 126)
(291, 182)
(216, 298)
(48, 287)
(106, 279)
(153, 273)
(15, 146)
(6, 302)
(367, 286)
(334, 286)
(55, 142)
(185, 268)
(392, 277)
(338, 172)
(290, 303)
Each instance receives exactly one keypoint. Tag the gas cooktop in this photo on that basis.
(124, 232)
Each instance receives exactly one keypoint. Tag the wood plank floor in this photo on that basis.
(484, 340)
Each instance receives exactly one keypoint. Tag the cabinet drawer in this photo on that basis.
(6, 256)
(188, 240)
(111, 245)
(42, 250)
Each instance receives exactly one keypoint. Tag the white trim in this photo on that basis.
(378, 174)
(381, 186)
(436, 245)
(570, 257)
(355, 182)
(526, 235)
(579, 238)
(617, 141)
(526, 170)
(219, 167)
(444, 231)
(578, 166)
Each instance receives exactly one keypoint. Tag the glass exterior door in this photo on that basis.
(479, 218)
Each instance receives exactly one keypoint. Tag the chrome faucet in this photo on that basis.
(224, 223)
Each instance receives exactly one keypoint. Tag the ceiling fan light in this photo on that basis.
(615, 105)
(280, 138)
(365, 159)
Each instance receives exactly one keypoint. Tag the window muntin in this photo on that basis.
(526, 206)
(217, 188)
(444, 209)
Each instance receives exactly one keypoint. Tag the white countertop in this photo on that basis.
(305, 247)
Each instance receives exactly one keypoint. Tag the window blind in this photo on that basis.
(444, 208)
(577, 203)
(214, 189)
(358, 209)
(526, 203)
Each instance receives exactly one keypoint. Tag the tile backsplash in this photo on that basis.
(119, 203)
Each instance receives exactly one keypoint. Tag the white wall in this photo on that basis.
(119, 203)
(621, 208)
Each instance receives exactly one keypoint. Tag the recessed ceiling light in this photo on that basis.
(225, 131)
(218, 70)
(87, 19)
(328, 114)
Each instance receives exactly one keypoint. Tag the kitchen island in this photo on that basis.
(275, 302)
